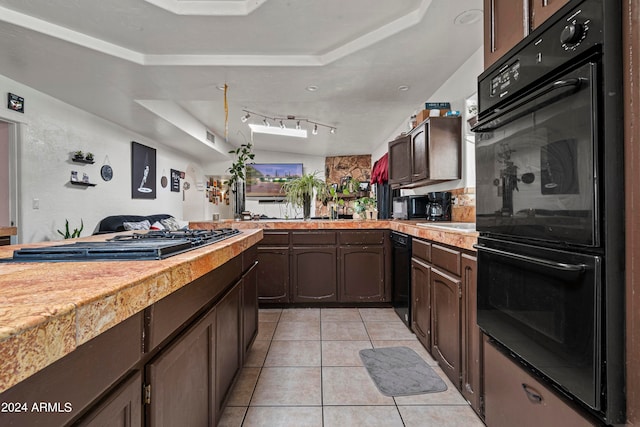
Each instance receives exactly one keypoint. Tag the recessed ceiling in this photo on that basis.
(154, 66)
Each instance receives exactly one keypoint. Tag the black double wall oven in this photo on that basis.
(549, 189)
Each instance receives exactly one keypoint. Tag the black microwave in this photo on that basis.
(409, 207)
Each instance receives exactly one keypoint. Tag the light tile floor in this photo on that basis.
(304, 370)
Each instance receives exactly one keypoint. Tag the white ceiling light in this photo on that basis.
(312, 88)
(468, 17)
(403, 88)
(298, 133)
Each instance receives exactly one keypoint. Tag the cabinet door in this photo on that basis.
(446, 294)
(505, 24)
(515, 398)
(182, 379)
(314, 274)
(471, 336)
(273, 274)
(249, 308)
(400, 161)
(419, 158)
(228, 345)
(362, 274)
(421, 304)
(443, 140)
(541, 10)
(123, 407)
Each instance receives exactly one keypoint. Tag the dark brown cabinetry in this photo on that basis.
(421, 305)
(363, 259)
(443, 283)
(325, 266)
(181, 380)
(515, 398)
(228, 346)
(430, 153)
(506, 22)
(313, 274)
(5, 240)
(400, 161)
(273, 268)
(249, 308)
(446, 295)
(123, 408)
(471, 336)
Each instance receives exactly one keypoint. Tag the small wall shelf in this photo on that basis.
(83, 184)
(88, 162)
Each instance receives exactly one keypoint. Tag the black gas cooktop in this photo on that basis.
(152, 245)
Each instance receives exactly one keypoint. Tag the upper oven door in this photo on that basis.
(535, 164)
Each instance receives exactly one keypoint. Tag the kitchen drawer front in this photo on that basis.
(421, 250)
(446, 258)
(515, 398)
(5, 240)
(277, 238)
(300, 238)
(374, 237)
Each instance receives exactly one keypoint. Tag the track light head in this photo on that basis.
(298, 125)
(245, 118)
(266, 123)
(282, 125)
(333, 131)
(315, 130)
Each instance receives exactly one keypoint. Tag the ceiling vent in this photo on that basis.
(211, 137)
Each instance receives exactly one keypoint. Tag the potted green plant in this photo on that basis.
(362, 205)
(237, 171)
(299, 191)
(67, 233)
(78, 155)
(89, 157)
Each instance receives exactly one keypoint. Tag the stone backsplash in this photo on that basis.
(464, 205)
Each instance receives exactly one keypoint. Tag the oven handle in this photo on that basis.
(492, 122)
(568, 268)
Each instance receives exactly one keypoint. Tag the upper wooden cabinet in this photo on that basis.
(429, 153)
(506, 22)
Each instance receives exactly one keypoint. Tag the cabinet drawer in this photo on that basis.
(515, 398)
(446, 258)
(421, 250)
(271, 238)
(375, 237)
(313, 238)
(5, 240)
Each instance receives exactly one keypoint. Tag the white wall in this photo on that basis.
(5, 218)
(461, 85)
(49, 131)
(311, 164)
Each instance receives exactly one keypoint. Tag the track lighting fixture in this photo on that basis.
(298, 131)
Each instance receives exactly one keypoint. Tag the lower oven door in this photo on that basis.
(543, 305)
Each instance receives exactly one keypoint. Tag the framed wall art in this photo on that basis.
(143, 171)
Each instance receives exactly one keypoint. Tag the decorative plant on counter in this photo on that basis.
(68, 234)
(78, 155)
(299, 191)
(237, 171)
(89, 157)
(363, 204)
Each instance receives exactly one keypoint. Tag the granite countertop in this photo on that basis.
(460, 239)
(49, 309)
(8, 231)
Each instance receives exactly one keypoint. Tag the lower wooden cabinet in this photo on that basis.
(446, 295)
(249, 308)
(313, 274)
(362, 274)
(421, 301)
(123, 407)
(181, 386)
(273, 271)
(228, 346)
(324, 266)
(471, 387)
(515, 398)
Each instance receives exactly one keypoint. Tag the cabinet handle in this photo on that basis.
(545, 3)
(532, 395)
(492, 45)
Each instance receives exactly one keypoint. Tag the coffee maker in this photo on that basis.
(439, 206)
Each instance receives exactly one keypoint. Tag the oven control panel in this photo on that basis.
(545, 51)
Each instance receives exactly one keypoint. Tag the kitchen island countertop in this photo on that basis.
(49, 309)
